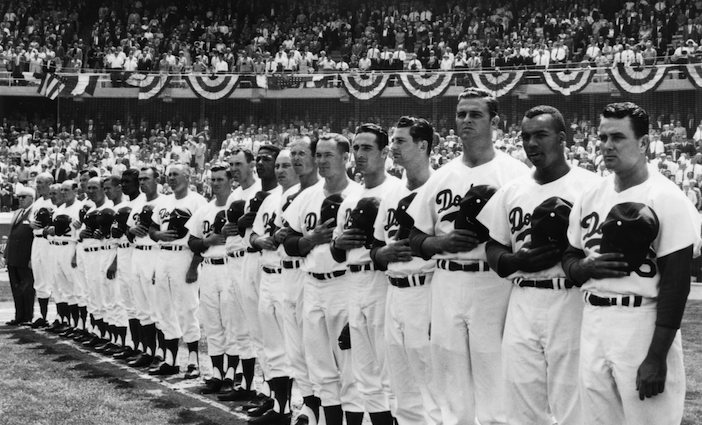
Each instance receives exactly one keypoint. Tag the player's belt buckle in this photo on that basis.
(92, 249)
(452, 266)
(327, 276)
(174, 248)
(124, 245)
(406, 282)
(356, 268)
(215, 261)
(59, 243)
(270, 270)
(622, 300)
(237, 254)
(555, 283)
(108, 247)
(290, 264)
(144, 247)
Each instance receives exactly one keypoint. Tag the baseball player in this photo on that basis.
(272, 287)
(326, 294)
(62, 240)
(144, 266)
(176, 300)
(354, 238)
(408, 307)
(41, 266)
(469, 301)
(632, 240)
(60, 324)
(122, 267)
(95, 258)
(540, 347)
(303, 165)
(238, 341)
(207, 240)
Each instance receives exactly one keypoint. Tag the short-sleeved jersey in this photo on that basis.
(97, 242)
(36, 206)
(192, 202)
(264, 224)
(436, 205)
(303, 216)
(201, 224)
(385, 229)
(508, 213)
(679, 227)
(277, 190)
(390, 185)
(237, 243)
(129, 203)
(71, 211)
(280, 222)
(137, 207)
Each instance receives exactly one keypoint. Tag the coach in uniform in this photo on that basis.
(408, 307)
(631, 358)
(41, 264)
(469, 301)
(540, 349)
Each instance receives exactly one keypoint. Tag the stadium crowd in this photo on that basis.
(305, 37)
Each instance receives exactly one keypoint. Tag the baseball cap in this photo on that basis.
(549, 223)
(630, 228)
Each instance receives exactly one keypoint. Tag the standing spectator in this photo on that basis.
(17, 257)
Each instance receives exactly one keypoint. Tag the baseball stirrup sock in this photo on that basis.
(313, 403)
(279, 387)
(171, 347)
(218, 366)
(161, 338)
(381, 418)
(193, 357)
(232, 364)
(149, 335)
(135, 332)
(333, 414)
(122, 333)
(248, 366)
(353, 418)
(75, 314)
(43, 307)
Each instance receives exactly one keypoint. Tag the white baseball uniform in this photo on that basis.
(615, 339)
(468, 307)
(120, 288)
(62, 249)
(407, 322)
(325, 311)
(96, 253)
(541, 343)
(177, 301)
(368, 290)
(42, 266)
(81, 284)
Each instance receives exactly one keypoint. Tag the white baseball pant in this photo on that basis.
(65, 275)
(111, 288)
(94, 277)
(143, 269)
(270, 310)
(293, 293)
(81, 284)
(127, 282)
(248, 298)
(540, 353)
(408, 354)
(367, 327)
(467, 321)
(325, 313)
(214, 302)
(176, 301)
(613, 344)
(42, 267)
(237, 338)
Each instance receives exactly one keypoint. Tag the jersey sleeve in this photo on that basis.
(494, 217)
(574, 232)
(194, 224)
(679, 224)
(380, 220)
(259, 227)
(292, 214)
(421, 209)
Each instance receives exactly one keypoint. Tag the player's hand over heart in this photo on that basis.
(350, 239)
(528, 259)
(395, 252)
(322, 233)
(600, 266)
(459, 240)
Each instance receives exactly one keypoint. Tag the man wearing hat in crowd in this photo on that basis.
(528, 219)
(632, 238)
(18, 256)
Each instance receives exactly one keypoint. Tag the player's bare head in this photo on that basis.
(178, 177)
(86, 175)
(302, 156)
(474, 93)
(68, 190)
(43, 182)
(331, 154)
(93, 189)
(284, 171)
(265, 161)
(221, 179)
(476, 115)
(112, 186)
(556, 117)
(241, 163)
(381, 136)
(623, 133)
(370, 148)
(130, 182)
(148, 180)
(543, 136)
(55, 193)
(419, 130)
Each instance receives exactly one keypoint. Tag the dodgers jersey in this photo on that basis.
(438, 200)
(237, 243)
(303, 216)
(201, 224)
(386, 228)
(91, 242)
(72, 212)
(192, 202)
(280, 222)
(137, 207)
(389, 186)
(36, 206)
(679, 227)
(264, 224)
(508, 213)
(126, 202)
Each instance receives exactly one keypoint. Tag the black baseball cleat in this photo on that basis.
(302, 420)
(114, 349)
(94, 341)
(39, 323)
(68, 333)
(124, 354)
(227, 386)
(212, 386)
(164, 369)
(261, 410)
(271, 417)
(192, 372)
(56, 327)
(143, 360)
(258, 401)
(237, 394)
(13, 322)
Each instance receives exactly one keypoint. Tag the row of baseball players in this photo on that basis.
(461, 290)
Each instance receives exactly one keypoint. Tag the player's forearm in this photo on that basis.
(572, 266)
(196, 245)
(376, 253)
(338, 254)
(660, 342)
(196, 260)
(674, 287)
(500, 259)
(424, 245)
(295, 245)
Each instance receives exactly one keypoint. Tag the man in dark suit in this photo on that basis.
(18, 259)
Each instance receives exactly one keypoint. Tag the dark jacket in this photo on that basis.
(19, 242)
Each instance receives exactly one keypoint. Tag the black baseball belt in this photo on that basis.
(271, 270)
(357, 268)
(215, 261)
(555, 283)
(408, 281)
(291, 264)
(452, 266)
(327, 276)
(624, 301)
(236, 254)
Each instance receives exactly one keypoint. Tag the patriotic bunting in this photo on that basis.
(498, 83)
(637, 79)
(569, 81)
(53, 85)
(213, 87)
(425, 86)
(365, 86)
(694, 74)
(150, 86)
